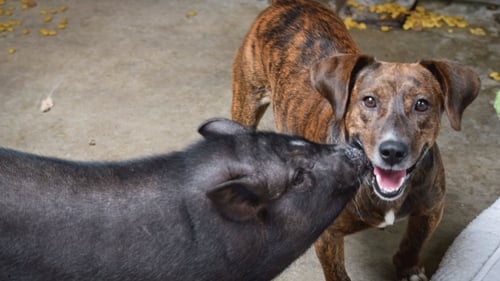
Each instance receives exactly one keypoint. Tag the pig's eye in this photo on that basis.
(298, 177)
(301, 180)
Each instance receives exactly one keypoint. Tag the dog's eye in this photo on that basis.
(422, 105)
(370, 102)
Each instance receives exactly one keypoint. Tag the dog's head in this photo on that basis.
(393, 110)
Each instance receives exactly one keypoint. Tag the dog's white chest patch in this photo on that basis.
(389, 219)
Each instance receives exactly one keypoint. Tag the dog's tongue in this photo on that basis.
(389, 180)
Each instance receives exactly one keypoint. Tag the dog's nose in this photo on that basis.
(393, 152)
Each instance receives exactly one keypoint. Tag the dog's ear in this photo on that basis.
(237, 201)
(460, 86)
(334, 77)
(221, 126)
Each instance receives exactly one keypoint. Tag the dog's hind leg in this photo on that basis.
(249, 105)
(250, 98)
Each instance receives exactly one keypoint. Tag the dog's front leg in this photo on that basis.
(420, 228)
(330, 245)
(330, 251)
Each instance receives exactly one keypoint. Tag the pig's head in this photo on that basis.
(290, 187)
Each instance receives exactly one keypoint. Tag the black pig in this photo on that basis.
(238, 205)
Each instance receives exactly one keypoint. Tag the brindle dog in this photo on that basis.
(299, 56)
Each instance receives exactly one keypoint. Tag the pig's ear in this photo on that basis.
(235, 201)
(333, 78)
(221, 126)
(460, 86)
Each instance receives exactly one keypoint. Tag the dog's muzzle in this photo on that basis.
(389, 185)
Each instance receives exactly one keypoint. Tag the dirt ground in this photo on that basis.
(135, 78)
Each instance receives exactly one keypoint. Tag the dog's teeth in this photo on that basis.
(389, 181)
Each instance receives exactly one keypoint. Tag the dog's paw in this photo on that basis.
(415, 274)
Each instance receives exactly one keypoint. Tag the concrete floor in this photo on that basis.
(134, 78)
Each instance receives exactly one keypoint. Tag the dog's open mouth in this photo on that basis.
(389, 184)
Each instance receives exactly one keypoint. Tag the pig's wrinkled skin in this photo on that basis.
(238, 205)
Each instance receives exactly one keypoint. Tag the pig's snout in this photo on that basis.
(356, 158)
